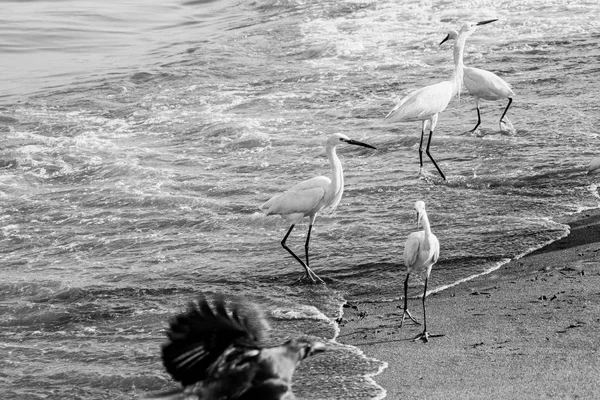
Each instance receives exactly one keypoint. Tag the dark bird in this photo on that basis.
(215, 352)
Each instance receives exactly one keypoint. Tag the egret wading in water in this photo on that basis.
(421, 251)
(485, 85)
(308, 198)
(426, 103)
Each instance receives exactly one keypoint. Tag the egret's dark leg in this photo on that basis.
(307, 271)
(306, 244)
(424, 314)
(431, 158)
(421, 146)
(406, 312)
(288, 249)
(311, 275)
(506, 109)
(424, 336)
(478, 121)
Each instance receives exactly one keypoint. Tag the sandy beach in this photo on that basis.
(529, 330)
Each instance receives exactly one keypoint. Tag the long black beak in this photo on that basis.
(357, 143)
(487, 22)
(418, 219)
(446, 38)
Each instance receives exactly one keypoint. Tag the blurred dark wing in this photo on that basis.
(198, 337)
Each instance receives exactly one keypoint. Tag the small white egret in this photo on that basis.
(484, 85)
(309, 197)
(426, 103)
(421, 251)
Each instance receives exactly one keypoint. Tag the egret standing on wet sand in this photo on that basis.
(484, 85)
(421, 251)
(308, 198)
(426, 103)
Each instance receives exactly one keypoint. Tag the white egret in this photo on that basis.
(484, 85)
(308, 198)
(426, 103)
(421, 251)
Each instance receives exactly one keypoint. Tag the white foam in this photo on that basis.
(593, 188)
(302, 312)
(505, 261)
(356, 350)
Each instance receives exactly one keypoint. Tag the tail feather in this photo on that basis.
(265, 206)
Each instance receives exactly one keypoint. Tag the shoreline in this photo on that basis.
(528, 329)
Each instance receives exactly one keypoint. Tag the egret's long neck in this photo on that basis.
(337, 175)
(426, 226)
(457, 75)
(335, 190)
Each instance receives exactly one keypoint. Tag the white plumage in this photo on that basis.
(309, 197)
(426, 103)
(485, 85)
(421, 251)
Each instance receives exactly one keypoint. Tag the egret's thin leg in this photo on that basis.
(506, 109)
(313, 277)
(478, 121)
(424, 336)
(307, 271)
(406, 312)
(292, 253)
(306, 244)
(431, 157)
(424, 314)
(421, 146)
(288, 249)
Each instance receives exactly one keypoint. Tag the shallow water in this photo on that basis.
(139, 140)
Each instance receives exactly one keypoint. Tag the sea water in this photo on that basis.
(139, 139)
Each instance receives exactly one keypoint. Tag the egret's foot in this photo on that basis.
(300, 280)
(407, 313)
(424, 336)
(309, 277)
(477, 132)
(506, 126)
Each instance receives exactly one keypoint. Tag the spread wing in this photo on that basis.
(199, 337)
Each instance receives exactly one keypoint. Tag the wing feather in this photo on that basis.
(199, 337)
(300, 199)
(422, 103)
(412, 249)
(486, 84)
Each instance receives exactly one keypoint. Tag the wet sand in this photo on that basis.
(529, 330)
